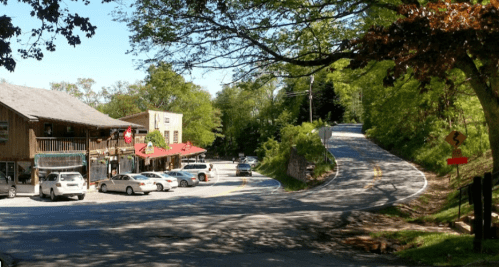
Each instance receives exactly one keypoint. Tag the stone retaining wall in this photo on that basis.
(297, 166)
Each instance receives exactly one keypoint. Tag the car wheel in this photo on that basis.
(12, 192)
(202, 177)
(40, 193)
(159, 187)
(81, 197)
(129, 190)
(53, 197)
(103, 188)
(183, 184)
(146, 193)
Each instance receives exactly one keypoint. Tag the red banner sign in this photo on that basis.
(456, 161)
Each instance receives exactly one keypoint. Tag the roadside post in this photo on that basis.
(487, 205)
(455, 139)
(477, 207)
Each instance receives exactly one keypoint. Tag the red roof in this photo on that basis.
(176, 149)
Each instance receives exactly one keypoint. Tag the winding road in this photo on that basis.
(229, 221)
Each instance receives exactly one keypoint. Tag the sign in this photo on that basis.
(455, 138)
(188, 145)
(456, 153)
(128, 135)
(457, 161)
(149, 148)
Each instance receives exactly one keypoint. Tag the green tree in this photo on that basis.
(156, 139)
(122, 99)
(81, 90)
(166, 90)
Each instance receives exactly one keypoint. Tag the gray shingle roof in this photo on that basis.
(35, 104)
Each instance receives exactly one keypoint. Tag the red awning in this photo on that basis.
(176, 149)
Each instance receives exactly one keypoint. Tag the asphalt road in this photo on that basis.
(229, 221)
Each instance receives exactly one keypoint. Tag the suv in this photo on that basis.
(67, 184)
(201, 170)
(7, 186)
(243, 168)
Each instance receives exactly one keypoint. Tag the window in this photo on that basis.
(167, 120)
(175, 137)
(48, 130)
(4, 131)
(167, 137)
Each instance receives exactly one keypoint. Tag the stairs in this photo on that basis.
(465, 224)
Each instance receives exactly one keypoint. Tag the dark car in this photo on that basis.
(243, 169)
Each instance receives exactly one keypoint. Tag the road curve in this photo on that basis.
(256, 225)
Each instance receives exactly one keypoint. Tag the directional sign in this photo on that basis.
(455, 138)
(456, 161)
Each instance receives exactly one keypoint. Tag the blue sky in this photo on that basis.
(101, 57)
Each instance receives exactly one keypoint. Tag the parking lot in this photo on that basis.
(224, 183)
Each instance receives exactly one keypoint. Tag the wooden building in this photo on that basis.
(43, 131)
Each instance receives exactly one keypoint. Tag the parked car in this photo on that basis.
(163, 181)
(7, 186)
(68, 184)
(243, 169)
(185, 178)
(130, 183)
(200, 170)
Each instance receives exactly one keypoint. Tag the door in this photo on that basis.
(123, 183)
(112, 185)
(49, 183)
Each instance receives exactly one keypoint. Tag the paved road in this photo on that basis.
(231, 221)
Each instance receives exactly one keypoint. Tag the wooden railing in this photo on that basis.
(71, 144)
(60, 144)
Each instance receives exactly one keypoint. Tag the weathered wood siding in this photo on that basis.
(17, 147)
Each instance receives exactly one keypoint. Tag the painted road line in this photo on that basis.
(245, 181)
(377, 176)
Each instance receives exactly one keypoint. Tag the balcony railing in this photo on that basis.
(72, 144)
(60, 144)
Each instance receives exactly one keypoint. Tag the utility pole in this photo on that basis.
(310, 95)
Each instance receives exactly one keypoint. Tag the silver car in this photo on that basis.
(130, 183)
(7, 186)
(163, 181)
(185, 178)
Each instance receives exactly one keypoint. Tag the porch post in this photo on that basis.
(88, 158)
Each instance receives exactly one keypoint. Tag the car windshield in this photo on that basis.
(243, 166)
(71, 177)
(139, 177)
(164, 175)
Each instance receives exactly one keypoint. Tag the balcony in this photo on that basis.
(77, 144)
(60, 144)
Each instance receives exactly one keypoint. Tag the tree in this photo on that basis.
(82, 90)
(432, 39)
(250, 36)
(122, 99)
(156, 139)
(55, 19)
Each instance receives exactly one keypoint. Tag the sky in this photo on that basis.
(101, 57)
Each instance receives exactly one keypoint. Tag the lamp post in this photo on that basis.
(310, 95)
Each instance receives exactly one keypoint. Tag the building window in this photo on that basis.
(48, 130)
(167, 137)
(4, 131)
(175, 137)
(167, 120)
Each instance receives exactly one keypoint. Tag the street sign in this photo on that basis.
(456, 153)
(457, 161)
(455, 138)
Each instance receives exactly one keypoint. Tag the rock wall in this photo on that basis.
(297, 166)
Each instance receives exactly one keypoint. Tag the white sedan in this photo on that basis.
(163, 181)
(130, 183)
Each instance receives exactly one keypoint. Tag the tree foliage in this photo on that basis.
(55, 19)
(157, 139)
(81, 90)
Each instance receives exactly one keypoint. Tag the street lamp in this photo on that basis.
(310, 95)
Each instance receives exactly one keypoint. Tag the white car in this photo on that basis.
(66, 184)
(163, 181)
(202, 170)
(130, 183)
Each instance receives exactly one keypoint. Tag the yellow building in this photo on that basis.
(169, 124)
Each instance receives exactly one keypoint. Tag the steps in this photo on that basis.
(465, 224)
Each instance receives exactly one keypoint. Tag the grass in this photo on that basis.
(441, 249)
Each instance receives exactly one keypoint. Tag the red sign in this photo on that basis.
(128, 135)
(456, 161)
(187, 145)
